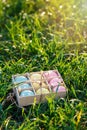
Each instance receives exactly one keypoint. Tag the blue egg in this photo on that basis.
(24, 86)
(27, 93)
(20, 79)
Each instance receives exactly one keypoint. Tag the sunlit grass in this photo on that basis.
(43, 35)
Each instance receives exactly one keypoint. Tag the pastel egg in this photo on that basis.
(55, 89)
(42, 91)
(23, 86)
(50, 74)
(19, 79)
(36, 77)
(37, 85)
(61, 89)
(55, 81)
(26, 93)
(43, 85)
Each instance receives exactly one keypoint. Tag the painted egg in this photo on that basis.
(37, 85)
(19, 79)
(36, 77)
(55, 89)
(50, 74)
(55, 82)
(42, 91)
(26, 93)
(61, 89)
(23, 86)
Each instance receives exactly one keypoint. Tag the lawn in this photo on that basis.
(40, 35)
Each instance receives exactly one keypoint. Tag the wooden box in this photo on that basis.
(39, 85)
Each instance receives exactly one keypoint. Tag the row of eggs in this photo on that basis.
(53, 78)
(38, 76)
(40, 91)
(25, 89)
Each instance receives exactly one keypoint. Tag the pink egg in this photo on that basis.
(50, 74)
(61, 89)
(55, 89)
(55, 81)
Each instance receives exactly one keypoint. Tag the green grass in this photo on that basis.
(43, 35)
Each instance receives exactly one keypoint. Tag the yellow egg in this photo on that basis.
(37, 85)
(36, 77)
(42, 91)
